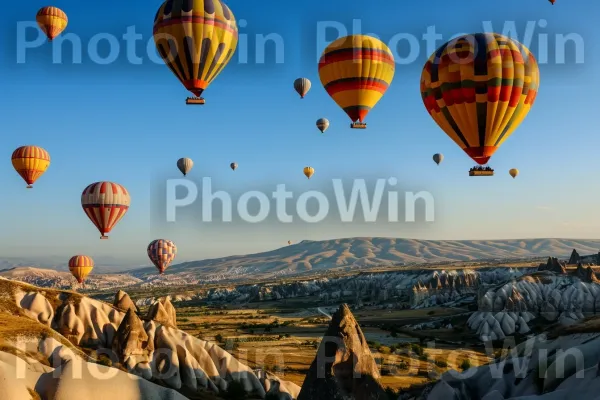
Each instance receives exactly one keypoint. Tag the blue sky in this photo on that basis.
(127, 123)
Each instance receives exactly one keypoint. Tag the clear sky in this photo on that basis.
(127, 123)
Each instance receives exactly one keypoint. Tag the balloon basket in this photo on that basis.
(194, 101)
(481, 172)
(103, 237)
(29, 187)
(358, 125)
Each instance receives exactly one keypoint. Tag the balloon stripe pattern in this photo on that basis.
(185, 165)
(196, 39)
(162, 252)
(52, 21)
(356, 71)
(105, 203)
(478, 88)
(302, 86)
(81, 266)
(30, 162)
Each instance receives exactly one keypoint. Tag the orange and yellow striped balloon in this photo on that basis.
(356, 71)
(81, 266)
(105, 203)
(196, 39)
(52, 21)
(30, 162)
(478, 88)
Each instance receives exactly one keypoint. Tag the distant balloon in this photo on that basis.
(552, 1)
(309, 171)
(438, 158)
(52, 21)
(302, 86)
(322, 124)
(185, 165)
(289, 242)
(356, 71)
(514, 172)
(105, 203)
(162, 252)
(80, 267)
(233, 166)
(30, 162)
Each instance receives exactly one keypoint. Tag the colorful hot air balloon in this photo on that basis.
(356, 71)
(196, 39)
(302, 86)
(30, 162)
(81, 266)
(478, 98)
(162, 252)
(513, 172)
(185, 165)
(105, 203)
(233, 166)
(309, 171)
(322, 124)
(52, 21)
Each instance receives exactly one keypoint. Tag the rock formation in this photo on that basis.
(163, 312)
(575, 258)
(553, 265)
(344, 368)
(444, 288)
(123, 302)
(586, 274)
(131, 343)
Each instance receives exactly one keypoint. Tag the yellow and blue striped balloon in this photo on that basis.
(356, 71)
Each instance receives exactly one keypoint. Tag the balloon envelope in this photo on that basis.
(514, 172)
(52, 21)
(356, 71)
(196, 39)
(30, 162)
(438, 158)
(478, 88)
(309, 171)
(162, 252)
(302, 86)
(322, 124)
(81, 266)
(233, 166)
(185, 165)
(105, 203)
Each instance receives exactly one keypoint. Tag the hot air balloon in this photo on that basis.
(552, 1)
(30, 162)
(185, 165)
(81, 266)
(196, 39)
(289, 242)
(309, 171)
(478, 98)
(162, 252)
(302, 86)
(356, 71)
(105, 203)
(233, 166)
(438, 158)
(322, 124)
(52, 21)
(513, 172)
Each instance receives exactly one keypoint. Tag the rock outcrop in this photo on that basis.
(344, 368)
(553, 265)
(123, 302)
(444, 288)
(131, 344)
(163, 312)
(575, 258)
(586, 274)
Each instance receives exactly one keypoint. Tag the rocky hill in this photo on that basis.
(313, 258)
(62, 336)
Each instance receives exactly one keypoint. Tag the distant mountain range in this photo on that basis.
(352, 254)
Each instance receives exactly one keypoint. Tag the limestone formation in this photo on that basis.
(344, 368)
(575, 258)
(163, 312)
(123, 302)
(131, 342)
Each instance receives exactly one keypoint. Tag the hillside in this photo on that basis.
(310, 257)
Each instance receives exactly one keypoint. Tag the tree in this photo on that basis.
(219, 338)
